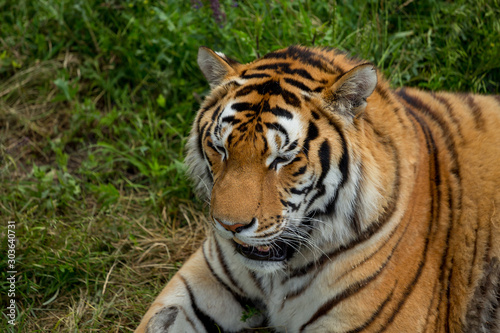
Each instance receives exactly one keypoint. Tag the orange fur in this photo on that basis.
(420, 249)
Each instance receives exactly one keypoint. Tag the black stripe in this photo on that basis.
(208, 322)
(201, 135)
(246, 90)
(290, 98)
(245, 107)
(417, 103)
(208, 171)
(190, 322)
(448, 298)
(273, 88)
(344, 160)
(302, 54)
(279, 128)
(201, 130)
(279, 112)
(277, 160)
(284, 67)
(256, 75)
(450, 144)
(261, 107)
(476, 112)
(354, 220)
(231, 84)
(266, 147)
(377, 312)
(206, 134)
(384, 93)
(301, 171)
(449, 110)
(497, 97)
(387, 96)
(230, 119)
(306, 189)
(430, 307)
(443, 278)
(215, 114)
(258, 282)
(298, 84)
(230, 139)
(312, 133)
(343, 165)
(210, 103)
(211, 145)
(225, 268)
(294, 207)
(242, 300)
(292, 146)
(474, 254)
(324, 154)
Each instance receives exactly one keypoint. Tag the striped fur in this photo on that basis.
(380, 207)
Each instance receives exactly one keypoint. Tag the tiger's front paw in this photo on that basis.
(163, 321)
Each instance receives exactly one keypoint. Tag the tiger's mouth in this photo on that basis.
(279, 251)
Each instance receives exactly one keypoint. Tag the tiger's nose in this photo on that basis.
(237, 227)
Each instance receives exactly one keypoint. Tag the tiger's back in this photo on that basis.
(338, 204)
(462, 140)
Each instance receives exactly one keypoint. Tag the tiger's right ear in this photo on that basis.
(348, 95)
(215, 66)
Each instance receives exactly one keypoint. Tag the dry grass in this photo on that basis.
(30, 115)
(140, 268)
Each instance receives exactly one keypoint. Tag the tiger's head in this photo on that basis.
(275, 147)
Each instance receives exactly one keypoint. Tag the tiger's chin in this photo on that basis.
(261, 266)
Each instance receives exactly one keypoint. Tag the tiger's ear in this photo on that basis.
(215, 66)
(348, 95)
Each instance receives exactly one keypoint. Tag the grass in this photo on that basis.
(96, 101)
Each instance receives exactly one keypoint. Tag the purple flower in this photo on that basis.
(219, 16)
(196, 4)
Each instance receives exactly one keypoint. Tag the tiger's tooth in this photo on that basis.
(263, 248)
(240, 242)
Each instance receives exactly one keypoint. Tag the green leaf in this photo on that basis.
(161, 101)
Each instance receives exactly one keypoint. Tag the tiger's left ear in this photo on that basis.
(215, 66)
(348, 95)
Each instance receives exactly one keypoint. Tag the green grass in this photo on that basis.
(96, 102)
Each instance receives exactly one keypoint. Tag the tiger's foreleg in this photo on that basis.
(196, 300)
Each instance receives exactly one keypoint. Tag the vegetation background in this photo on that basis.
(96, 101)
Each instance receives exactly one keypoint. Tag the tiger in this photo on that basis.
(338, 204)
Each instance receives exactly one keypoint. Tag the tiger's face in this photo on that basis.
(270, 147)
